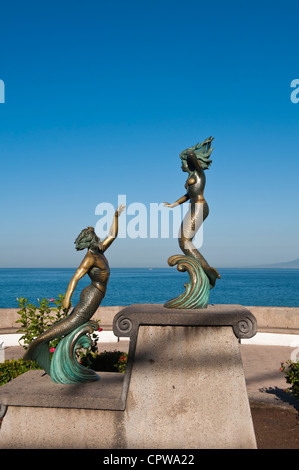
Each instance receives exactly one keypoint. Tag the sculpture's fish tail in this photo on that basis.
(40, 353)
(38, 350)
(193, 220)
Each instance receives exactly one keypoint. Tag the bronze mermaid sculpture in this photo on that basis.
(96, 266)
(195, 160)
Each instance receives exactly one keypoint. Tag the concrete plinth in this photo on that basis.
(184, 389)
(188, 390)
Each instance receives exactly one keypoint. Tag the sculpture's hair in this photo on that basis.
(202, 151)
(87, 238)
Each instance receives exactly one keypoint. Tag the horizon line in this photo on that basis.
(156, 267)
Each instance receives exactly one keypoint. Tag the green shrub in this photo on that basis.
(11, 369)
(36, 319)
(107, 361)
(291, 371)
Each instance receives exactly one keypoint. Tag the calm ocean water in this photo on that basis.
(261, 287)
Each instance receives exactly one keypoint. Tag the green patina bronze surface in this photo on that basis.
(74, 327)
(197, 290)
(65, 368)
(203, 277)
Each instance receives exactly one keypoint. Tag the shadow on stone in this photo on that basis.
(282, 395)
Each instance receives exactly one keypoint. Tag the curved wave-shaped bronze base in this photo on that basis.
(65, 369)
(197, 290)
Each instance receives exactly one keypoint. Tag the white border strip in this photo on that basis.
(13, 339)
(9, 340)
(263, 339)
(273, 339)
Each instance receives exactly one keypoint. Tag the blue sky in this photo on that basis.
(100, 99)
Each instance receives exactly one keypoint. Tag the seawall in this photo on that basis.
(280, 320)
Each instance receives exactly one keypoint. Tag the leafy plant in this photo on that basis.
(36, 319)
(291, 370)
(11, 369)
(107, 361)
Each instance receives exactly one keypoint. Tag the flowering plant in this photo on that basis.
(121, 365)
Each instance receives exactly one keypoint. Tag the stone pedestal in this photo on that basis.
(184, 388)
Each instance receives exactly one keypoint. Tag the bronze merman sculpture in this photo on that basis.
(203, 277)
(96, 266)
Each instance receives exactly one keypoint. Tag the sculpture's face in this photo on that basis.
(184, 165)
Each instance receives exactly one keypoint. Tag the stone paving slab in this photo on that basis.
(264, 380)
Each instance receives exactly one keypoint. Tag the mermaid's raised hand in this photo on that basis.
(120, 209)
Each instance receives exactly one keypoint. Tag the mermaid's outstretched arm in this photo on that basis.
(81, 271)
(178, 202)
(113, 229)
